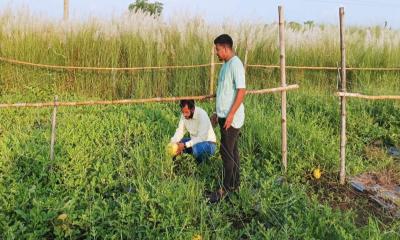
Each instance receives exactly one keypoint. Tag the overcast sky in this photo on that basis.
(358, 12)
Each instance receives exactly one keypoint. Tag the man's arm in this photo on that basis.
(214, 119)
(180, 132)
(236, 104)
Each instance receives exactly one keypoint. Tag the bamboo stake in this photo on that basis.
(283, 84)
(212, 70)
(53, 129)
(273, 90)
(136, 101)
(358, 95)
(338, 79)
(245, 61)
(342, 100)
(114, 83)
(66, 10)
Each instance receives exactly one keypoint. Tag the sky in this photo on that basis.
(358, 12)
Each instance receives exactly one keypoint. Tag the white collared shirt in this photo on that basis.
(199, 128)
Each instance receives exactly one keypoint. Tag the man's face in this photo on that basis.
(221, 51)
(187, 112)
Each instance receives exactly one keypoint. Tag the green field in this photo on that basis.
(110, 174)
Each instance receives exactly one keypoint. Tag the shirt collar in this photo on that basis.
(195, 115)
(230, 60)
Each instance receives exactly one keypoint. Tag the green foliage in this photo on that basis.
(295, 26)
(309, 24)
(110, 175)
(154, 9)
(112, 178)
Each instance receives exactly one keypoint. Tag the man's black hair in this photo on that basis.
(187, 102)
(224, 39)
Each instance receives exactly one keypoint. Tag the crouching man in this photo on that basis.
(194, 120)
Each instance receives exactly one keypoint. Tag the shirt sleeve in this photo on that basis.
(180, 132)
(239, 75)
(203, 129)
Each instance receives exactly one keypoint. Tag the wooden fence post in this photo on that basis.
(283, 84)
(66, 10)
(212, 70)
(342, 100)
(53, 129)
(245, 60)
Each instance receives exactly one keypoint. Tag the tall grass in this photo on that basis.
(140, 40)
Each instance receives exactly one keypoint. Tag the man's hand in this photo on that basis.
(214, 120)
(228, 121)
(181, 147)
(236, 104)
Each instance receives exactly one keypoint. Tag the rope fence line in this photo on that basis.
(324, 68)
(59, 67)
(291, 67)
(369, 97)
(133, 101)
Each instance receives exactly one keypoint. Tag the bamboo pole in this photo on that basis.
(359, 95)
(245, 60)
(342, 177)
(273, 90)
(338, 76)
(53, 129)
(283, 84)
(106, 102)
(212, 70)
(135, 101)
(114, 82)
(66, 10)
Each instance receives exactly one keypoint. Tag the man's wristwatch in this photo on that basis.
(184, 146)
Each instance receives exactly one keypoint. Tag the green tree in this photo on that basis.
(309, 24)
(295, 26)
(154, 9)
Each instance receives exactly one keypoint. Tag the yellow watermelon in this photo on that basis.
(172, 149)
(197, 237)
(317, 173)
(62, 216)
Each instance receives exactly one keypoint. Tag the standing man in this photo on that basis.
(194, 120)
(231, 90)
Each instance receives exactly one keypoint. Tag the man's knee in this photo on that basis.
(202, 151)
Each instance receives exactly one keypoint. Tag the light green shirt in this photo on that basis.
(231, 78)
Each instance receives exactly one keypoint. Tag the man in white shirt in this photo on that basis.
(195, 120)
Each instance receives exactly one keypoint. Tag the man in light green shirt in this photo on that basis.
(231, 90)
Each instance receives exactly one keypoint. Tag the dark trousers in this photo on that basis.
(230, 156)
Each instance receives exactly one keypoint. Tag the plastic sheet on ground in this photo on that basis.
(380, 188)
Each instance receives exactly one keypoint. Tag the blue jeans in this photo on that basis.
(201, 151)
